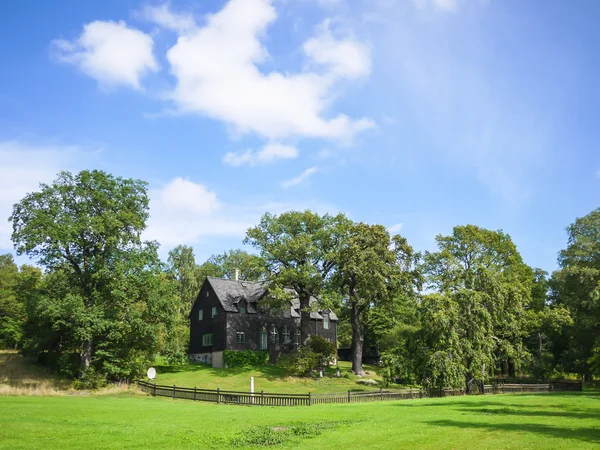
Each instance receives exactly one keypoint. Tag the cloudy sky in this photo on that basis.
(416, 114)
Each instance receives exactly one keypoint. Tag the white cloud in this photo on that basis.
(268, 154)
(181, 211)
(396, 228)
(346, 58)
(440, 5)
(165, 18)
(300, 178)
(22, 168)
(181, 194)
(173, 222)
(110, 52)
(216, 68)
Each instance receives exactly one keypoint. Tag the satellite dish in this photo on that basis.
(151, 373)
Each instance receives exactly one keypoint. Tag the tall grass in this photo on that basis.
(23, 377)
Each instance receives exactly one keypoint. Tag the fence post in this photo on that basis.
(309, 399)
(348, 396)
(218, 395)
(154, 391)
(381, 393)
(173, 391)
(521, 386)
(262, 398)
(194, 393)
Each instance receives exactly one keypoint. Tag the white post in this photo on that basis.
(252, 390)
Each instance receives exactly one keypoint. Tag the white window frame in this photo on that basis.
(240, 337)
(326, 321)
(207, 340)
(286, 335)
(263, 338)
(274, 335)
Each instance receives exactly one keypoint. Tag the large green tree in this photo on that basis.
(367, 274)
(12, 314)
(250, 267)
(183, 268)
(576, 286)
(109, 299)
(487, 287)
(300, 251)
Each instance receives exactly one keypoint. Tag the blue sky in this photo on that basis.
(416, 114)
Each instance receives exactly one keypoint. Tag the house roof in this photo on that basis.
(231, 292)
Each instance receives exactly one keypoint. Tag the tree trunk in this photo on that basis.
(357, 339)
(540, 346)
(305, 319)
(85, 357)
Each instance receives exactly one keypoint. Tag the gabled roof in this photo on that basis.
(231, 292)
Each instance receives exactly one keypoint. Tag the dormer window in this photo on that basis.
(242, 307)
(207, 293)
(326, 321)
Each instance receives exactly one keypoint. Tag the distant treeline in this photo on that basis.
(103, 306)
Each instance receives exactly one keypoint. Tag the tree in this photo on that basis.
(299, 250)
(11, 311)
(250, 267)
(576, 286)
(183, 268)
(367, 272)
(544, 319)
(482, 275)
(107, 298)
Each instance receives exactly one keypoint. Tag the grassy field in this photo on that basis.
(38, 410)
(540, 421)
(267, 378)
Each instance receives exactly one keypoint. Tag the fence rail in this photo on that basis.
(273, 399)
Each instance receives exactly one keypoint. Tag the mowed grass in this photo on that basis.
(537, 421)
(268, 378)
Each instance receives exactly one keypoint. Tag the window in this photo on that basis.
(263, 338)
(297, 336)
(274, 335)
(214, 311)
(286, 335)
(207, 340)
(240, 337)
(242, 307)
(326, 321)
(200, 314)
(207, 293)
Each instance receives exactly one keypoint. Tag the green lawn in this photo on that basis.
(540, 421)
(267, 378)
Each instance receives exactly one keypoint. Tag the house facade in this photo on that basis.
(232, 315)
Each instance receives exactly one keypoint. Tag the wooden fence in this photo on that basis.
(271, 399)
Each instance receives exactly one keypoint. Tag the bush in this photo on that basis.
(299, 362)
(92, 380)
(322, 347)
(318, 353)
(245, 358)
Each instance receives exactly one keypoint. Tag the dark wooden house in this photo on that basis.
(232, 315)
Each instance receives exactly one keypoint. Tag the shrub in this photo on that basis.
(322, 347)
(92, 380)
(299, 362)
(245, 358)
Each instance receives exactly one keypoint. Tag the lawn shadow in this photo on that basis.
(591, 435)
(507, 410)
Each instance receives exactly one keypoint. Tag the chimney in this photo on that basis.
(236, 277)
